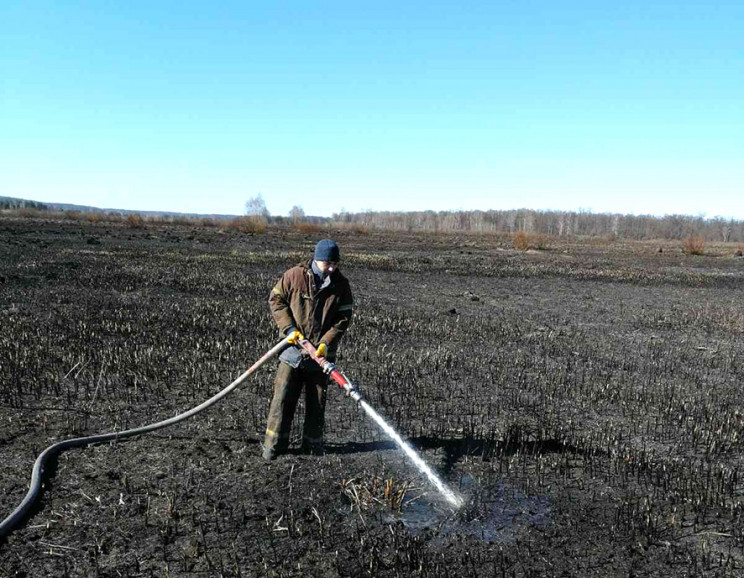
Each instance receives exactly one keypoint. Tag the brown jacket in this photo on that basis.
(322, 315)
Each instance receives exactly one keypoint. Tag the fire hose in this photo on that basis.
(9, 523)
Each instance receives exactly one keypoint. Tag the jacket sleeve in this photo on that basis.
(341, 320)
(279, 300)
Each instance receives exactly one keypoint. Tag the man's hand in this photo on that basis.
(322, 350)
(293, 336)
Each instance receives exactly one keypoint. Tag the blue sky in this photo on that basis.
(605, 106)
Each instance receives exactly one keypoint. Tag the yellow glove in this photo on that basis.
(293, 337)
(322, 350)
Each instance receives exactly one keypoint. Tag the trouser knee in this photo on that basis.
(283, 404)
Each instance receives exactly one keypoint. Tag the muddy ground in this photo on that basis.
(584, 400)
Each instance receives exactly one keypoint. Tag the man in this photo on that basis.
(313, 299)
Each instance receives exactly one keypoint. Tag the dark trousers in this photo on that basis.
(288, 386)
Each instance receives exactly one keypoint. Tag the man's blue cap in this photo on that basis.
(327, 250)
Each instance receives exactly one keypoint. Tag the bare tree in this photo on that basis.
(256, 207)
(296, 214)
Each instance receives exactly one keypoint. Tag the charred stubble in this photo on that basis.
(586, 404)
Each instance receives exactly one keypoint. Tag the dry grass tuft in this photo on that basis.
(521, 241)
(248, 225)
(363, 494)
(540, 242)
(29, 213)
(135, 221)
(694, 245)
(308, 228)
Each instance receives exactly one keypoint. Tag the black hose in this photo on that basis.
(9, 523)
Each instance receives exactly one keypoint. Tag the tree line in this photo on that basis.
(12, 203)
(554, 223)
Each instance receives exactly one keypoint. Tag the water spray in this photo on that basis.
(353, 392)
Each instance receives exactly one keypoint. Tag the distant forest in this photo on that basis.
(554, 223)
(551, 223)
(11, 203)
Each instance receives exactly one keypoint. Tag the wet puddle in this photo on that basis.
(493, 514)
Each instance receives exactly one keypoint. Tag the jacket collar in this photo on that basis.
(327, 281)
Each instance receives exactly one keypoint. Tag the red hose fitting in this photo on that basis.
(330, 368)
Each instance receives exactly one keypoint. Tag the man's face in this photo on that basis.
(327, 267)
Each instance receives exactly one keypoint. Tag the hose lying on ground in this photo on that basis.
(9, 523)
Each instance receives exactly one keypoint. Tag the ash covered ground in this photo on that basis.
(584, 400)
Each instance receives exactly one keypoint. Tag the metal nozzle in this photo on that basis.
(352, 391)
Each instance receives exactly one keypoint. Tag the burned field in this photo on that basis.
(585, 401)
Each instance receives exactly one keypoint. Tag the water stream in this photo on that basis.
(494, 513)
(452, 498)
